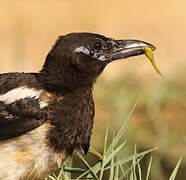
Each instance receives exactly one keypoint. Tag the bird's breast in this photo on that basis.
(28, 156)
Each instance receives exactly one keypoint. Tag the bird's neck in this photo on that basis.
(65, 81)
(72, 122)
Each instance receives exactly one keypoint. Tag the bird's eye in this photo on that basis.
(98, 45)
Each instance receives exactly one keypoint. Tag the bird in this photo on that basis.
(45, 116)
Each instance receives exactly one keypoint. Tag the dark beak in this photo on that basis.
(127, 48)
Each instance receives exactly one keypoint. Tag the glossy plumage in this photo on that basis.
(45, 116)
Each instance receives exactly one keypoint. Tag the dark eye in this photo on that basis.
(98, 45)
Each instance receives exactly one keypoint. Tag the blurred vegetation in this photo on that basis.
(158, 121)
(29, 28)
(111, 163)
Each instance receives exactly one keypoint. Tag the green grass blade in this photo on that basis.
(130, 158)
(52, 178)
(123, 172)
(139, 169)
(131, 175)
(116, 176)
(122, 169)
(134, 162)
(84, 174)
(55, 176)
(122, 129)
(63, 174)
(104, 154)
(173, 175)
(87, 165)
(105, 143)
(60, 175)
(66, 176)
(148, 170)
(130, 169)
(74, 170)
(96, 168)
(112, 169)
(114, 153)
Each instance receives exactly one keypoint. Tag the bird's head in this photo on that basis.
(85, 55)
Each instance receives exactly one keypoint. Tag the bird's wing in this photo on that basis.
(21, 108)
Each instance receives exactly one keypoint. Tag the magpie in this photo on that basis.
(45, 116)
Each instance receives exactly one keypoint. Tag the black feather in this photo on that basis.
(20, 117)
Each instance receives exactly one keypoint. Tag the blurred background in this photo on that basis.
(28, 29)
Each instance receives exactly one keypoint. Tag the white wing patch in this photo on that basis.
(22, 93)
(17, 94)
(82, 49)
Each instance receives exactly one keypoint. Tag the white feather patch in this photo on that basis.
(22, 93)
(82, 49)
(28, 156)
(43, 104)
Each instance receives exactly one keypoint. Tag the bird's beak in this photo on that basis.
(127, 48)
